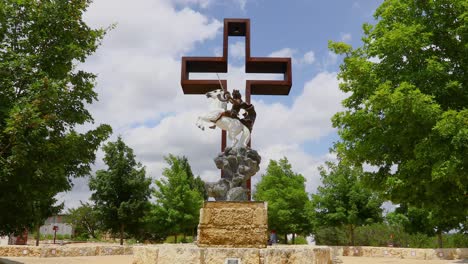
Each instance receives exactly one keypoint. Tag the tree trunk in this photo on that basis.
(351, 234)
(439, 238)
(293, 239)
(185, 238)
(38, 234)
(286, 239)
(175, 238)
(121, 233)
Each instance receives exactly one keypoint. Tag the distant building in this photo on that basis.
(3, 240)
(47, 229)
(21, 239)
(59, 221)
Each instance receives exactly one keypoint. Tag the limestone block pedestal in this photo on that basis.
(191, 254)
(233, 225)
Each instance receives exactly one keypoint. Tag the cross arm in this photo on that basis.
(201, 65)
(269, 65)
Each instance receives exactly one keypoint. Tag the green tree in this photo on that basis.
(288, 201)
(407, 110)
(178, 203)
(196, 183)
(42, 100)
(343, 201)
(85, 220)
(416, 220)
(121, 192)
(156, 227)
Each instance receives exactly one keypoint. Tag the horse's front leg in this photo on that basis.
(233, 139)
(200, 123)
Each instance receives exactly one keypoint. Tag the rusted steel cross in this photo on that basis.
(237, 28)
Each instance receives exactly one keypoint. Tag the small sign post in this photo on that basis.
(55, 228)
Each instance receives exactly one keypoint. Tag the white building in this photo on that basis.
(3, 240)
(59, 221)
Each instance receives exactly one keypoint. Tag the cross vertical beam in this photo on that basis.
(237, 28)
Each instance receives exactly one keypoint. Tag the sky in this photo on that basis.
(138, 79)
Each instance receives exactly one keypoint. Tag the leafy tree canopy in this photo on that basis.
(121, 192)
(195, 183)
(178, 199)
(85, 221)
(343, 201)
(42, 100)
(407, 110)
(288, 202)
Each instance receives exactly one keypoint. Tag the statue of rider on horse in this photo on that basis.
(229, 120)
(249, 115)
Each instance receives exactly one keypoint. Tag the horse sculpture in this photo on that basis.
(233, 126)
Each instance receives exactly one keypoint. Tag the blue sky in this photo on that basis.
(138, 68)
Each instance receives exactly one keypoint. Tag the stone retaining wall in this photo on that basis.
(406, 253)
(171, 253)
(191, 254)
(63, 251)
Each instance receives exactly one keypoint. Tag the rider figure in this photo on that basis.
(237, 105)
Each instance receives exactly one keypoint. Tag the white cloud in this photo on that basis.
(237, 50)
(309, 116)
(285, 52)
(306, 58)
(208, 3)
(309, 57)
(388, 207)
(346, 37)
(374, 59)
(201, 3)
(218, 52)
(329, 61)
(138, 64)
(242, 4)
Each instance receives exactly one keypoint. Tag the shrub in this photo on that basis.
(331, 236)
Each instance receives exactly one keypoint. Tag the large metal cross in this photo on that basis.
(237, 28)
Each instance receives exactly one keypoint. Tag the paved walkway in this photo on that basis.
(367, 260)
(127, 259)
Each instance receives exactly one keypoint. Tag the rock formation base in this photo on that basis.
(238, 165)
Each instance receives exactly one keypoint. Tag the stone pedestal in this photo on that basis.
(233, 225)
(191, 254)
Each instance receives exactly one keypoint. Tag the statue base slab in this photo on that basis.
(191, 254)
(233, 225)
